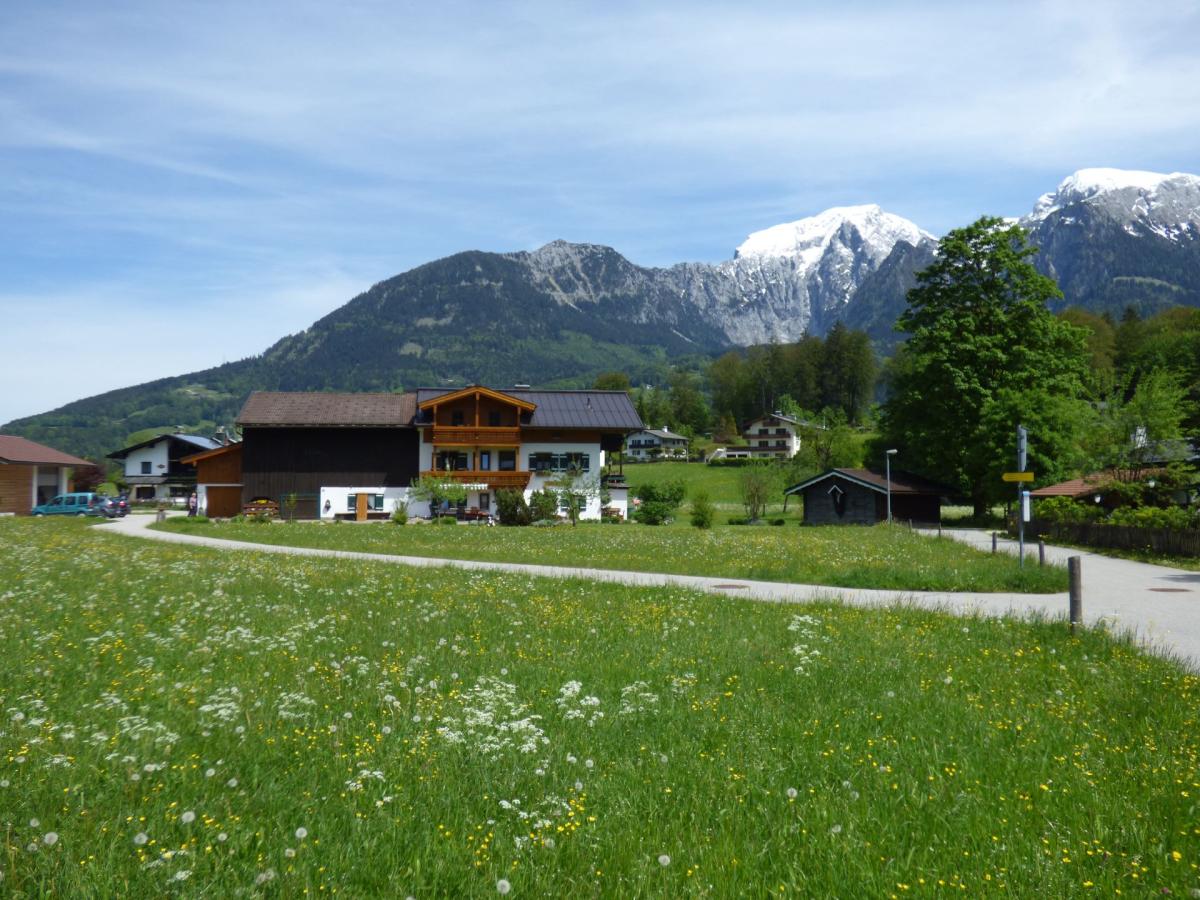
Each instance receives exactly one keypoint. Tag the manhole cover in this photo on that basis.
(730, 587)
(1171, 590)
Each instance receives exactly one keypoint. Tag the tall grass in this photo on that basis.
(879, 557)
(179, 721)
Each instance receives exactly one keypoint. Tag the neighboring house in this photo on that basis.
(656, 443)
(859, 497)
(154, 468)
(218, 480)
(32, 473)
(774, 436)
(1098, 487)
(340, 452)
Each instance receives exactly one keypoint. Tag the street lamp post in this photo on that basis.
(888, 459)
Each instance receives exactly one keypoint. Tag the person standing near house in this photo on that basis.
(192, 501)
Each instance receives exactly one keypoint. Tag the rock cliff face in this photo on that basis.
(781, 282)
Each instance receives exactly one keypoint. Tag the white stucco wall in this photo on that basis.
(155, 454)
(337, 497)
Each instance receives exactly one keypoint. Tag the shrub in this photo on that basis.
(400, 515)
(1065, 511)
(1153, 517)
(511, 508)
(659, 501)
(702, 511)
(447, 520)
(543, 505)
(757, 484)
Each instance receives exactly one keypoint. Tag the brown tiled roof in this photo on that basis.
(902, 482)
(1076, 487)
(312, 410)
(20, 450)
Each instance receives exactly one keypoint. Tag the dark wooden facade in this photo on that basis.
(835, 498)
(280, 461)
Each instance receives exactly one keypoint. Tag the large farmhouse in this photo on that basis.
(341, 454)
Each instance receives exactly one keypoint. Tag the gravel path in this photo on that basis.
(1161, 606)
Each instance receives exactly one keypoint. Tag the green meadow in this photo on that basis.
(875, 557)
(188, 722)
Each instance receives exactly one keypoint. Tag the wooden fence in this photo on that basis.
(1167, 541)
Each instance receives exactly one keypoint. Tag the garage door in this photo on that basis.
(224, 501)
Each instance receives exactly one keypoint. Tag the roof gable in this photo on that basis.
(473, 391)
(197, 442)
(901, 482)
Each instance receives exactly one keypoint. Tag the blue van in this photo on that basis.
(78, 504)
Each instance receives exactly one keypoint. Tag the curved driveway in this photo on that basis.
(1161, 606)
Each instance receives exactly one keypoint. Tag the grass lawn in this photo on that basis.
(181, 721)
(879, 557)
(719, 482)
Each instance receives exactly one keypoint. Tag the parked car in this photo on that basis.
(76, 504)
(112, 506)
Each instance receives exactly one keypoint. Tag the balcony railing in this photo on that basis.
(472, 436)
(494, 480)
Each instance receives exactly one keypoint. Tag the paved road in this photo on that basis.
(1127, 595)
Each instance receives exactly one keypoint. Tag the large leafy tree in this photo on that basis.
(985, 354)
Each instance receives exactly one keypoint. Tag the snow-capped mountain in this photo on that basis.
(1116, 237)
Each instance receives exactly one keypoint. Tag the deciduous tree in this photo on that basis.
(984, 354)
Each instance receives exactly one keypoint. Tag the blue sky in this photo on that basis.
(181, 184)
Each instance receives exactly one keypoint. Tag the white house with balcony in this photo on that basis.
(153, 468)
(656, 443)
(773, 436)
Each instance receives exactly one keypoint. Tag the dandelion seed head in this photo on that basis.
(34, 823)
(188, 817)
(232, 782)
(301, 833)
(209, 773)
(222, 837)
(589, 763)
(836, 829)
(140, 839)
(579, 785)
(792, 793)
(502, 886)
(50, 838)
(289, 853)
(948, 679)
(664, 860)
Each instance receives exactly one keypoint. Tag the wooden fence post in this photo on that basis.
(993, 542)
(1041, 552)
(1074, 571)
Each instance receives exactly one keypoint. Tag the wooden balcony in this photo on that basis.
(494, 480)
(475, 436)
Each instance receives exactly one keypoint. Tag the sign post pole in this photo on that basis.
(1022, 445)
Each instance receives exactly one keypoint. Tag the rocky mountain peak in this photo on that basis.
(1159, 202)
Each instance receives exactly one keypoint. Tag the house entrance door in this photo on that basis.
(360, 507)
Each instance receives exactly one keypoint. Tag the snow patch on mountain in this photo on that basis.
(1158, 201)
(806, 240)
